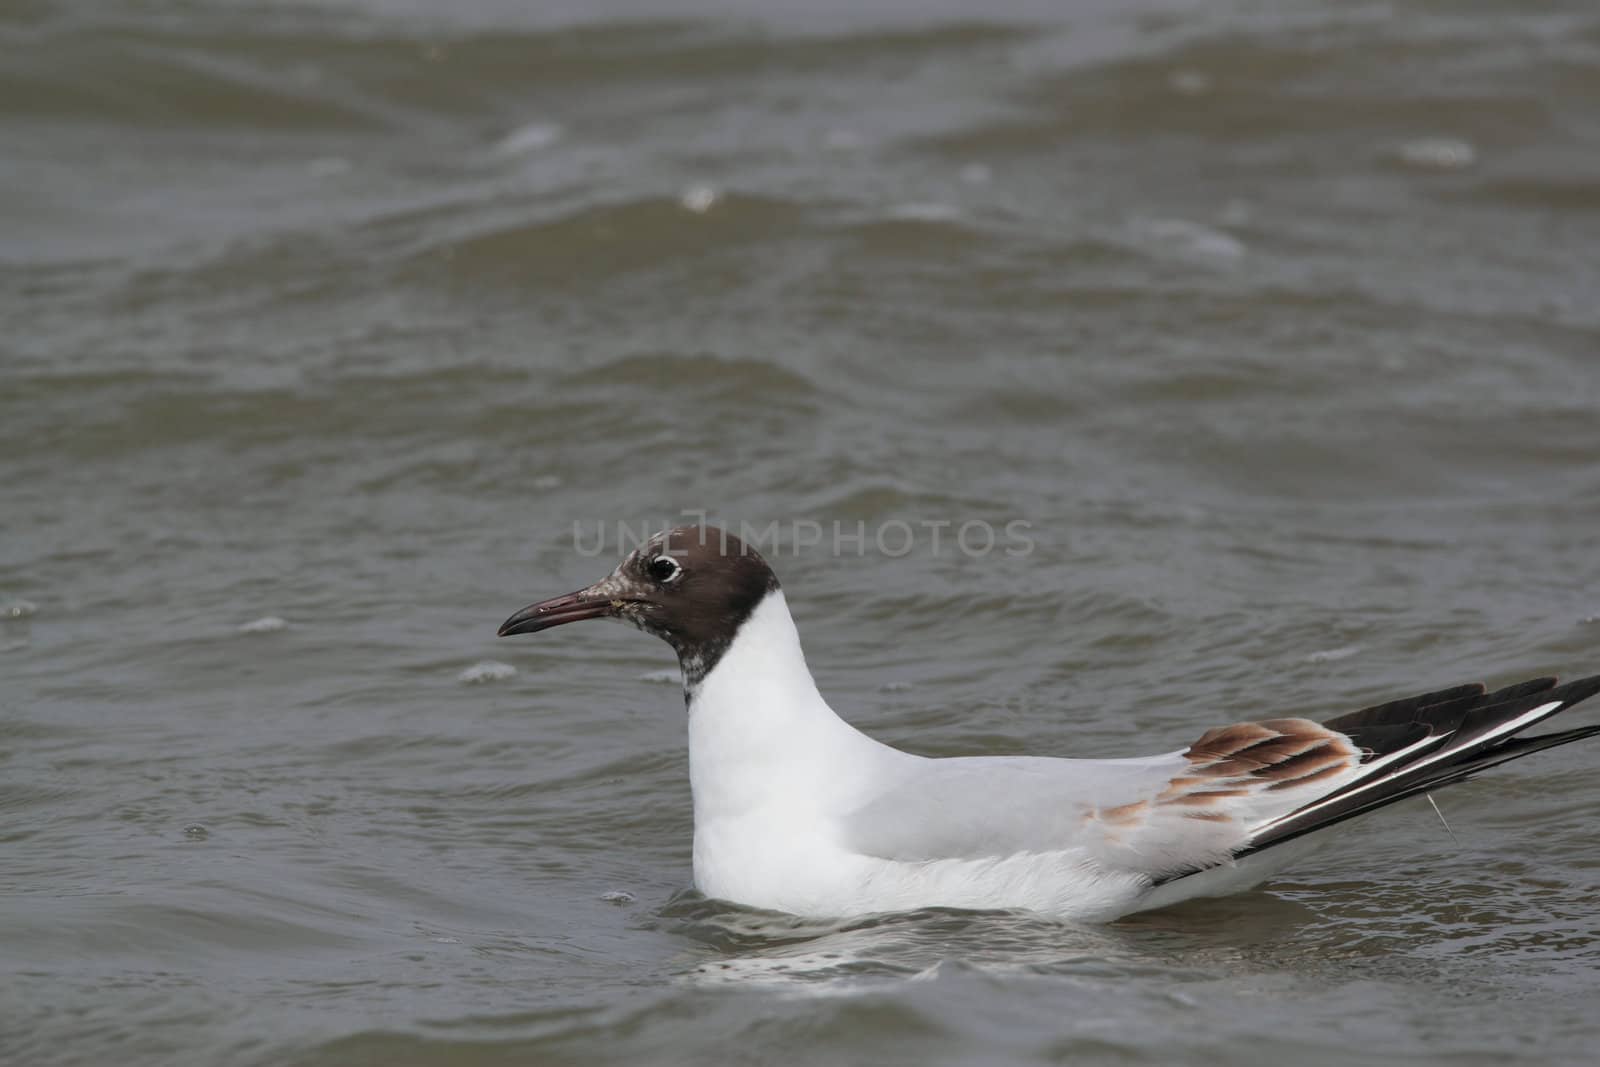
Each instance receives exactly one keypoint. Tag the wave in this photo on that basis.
(341, 72)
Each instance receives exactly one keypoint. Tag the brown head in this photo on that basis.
(691, 586)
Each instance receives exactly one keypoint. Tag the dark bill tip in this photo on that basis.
(573, 607)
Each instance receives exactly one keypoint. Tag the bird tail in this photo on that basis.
(1429, 741)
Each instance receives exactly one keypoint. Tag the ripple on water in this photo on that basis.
(328, 166)
(1186, 81)
(600, 242)
(925, 211)
(488, 670)
(1186, 240)
(529, 138)
(267, 624)
(701, 374)
(1437, 153)
(472, 244)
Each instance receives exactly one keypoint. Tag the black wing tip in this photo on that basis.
(1453, 757)
(1515, 699)
(1383, 738)
(1409, 709)
(1576, 692)
(1474, 732)
(1446, 709)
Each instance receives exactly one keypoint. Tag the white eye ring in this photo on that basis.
(671, 572)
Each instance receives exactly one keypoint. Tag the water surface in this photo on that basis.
(1277, 326)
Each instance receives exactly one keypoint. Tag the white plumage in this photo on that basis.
(797, 811)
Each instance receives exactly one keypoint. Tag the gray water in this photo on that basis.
(1276, 325)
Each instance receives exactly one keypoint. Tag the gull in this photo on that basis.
(797, 811)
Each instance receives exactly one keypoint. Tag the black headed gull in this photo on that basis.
(795, 810)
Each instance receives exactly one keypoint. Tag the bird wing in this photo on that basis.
(975, 807)
(1237, 789)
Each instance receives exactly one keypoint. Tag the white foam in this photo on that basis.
(1189, 239)
(1332, 655)
(1438, 153)
(529, 138)
(17, 608)
(663, 677)
(699, 198)
(267, 624)
(620, 897)
(488, 670)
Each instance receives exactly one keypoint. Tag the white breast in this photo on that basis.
(771, 767)
(776, 776)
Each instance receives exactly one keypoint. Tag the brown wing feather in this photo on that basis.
(1233, 762)
(1276, 753)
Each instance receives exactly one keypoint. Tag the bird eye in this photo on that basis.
(664, 568)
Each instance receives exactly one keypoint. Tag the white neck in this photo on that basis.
(759, 732)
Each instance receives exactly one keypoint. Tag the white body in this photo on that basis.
(797, 811)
